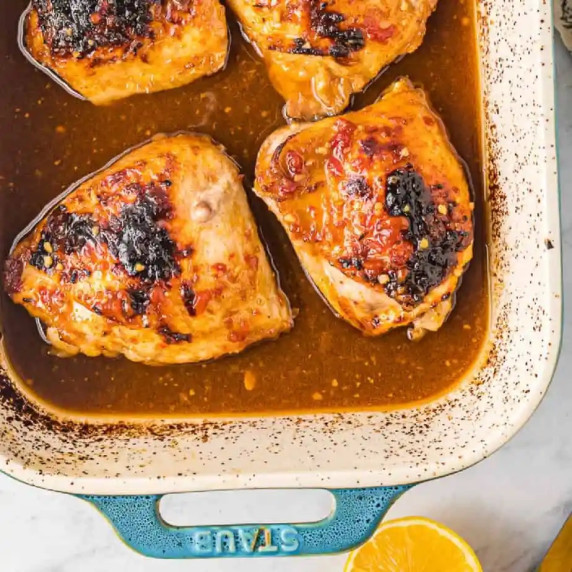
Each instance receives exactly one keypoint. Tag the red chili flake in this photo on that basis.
(251, 260)
(113, 305)
(341, 141)
(286, 187)
(294, 163)
(157, 296)
(334, 166)
(236, 336)
(219, 267)
(375, 32)
(398, 121)
(201, 300)
(400, 254)
(428, 120)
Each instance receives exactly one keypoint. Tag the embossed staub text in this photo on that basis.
(261, 540)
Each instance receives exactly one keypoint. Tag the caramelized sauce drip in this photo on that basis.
(50, 139)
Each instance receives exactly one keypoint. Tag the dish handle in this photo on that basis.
(353, 519)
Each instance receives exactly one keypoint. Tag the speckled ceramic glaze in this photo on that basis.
(360, 449)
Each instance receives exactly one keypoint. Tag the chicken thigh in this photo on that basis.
(110, 49)
(157, 257)
(378, 208)
(320, 52)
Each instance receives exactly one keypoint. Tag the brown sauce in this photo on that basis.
(50, 139)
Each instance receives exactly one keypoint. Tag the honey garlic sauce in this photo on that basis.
(49, 139)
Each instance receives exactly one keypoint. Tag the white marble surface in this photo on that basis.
(509, 507)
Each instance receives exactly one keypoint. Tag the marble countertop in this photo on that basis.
(509, 507)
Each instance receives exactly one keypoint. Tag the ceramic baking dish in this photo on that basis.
(367, 458)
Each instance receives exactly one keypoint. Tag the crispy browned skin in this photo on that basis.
(107, 50)
(378, 208)
(320, 52)
(157, 258)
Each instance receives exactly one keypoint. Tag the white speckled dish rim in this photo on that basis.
(371, 449)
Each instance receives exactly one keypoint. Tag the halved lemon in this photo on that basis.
(413, 544)
(559, 557)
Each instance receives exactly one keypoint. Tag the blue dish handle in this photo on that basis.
(353, 520)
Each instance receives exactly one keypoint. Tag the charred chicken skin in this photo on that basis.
(378, 208)
(318, 53)
(157, 258)
(110, 49)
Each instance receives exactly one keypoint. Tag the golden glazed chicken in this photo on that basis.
(157, 258)
(378, 208)
(110, 49)
(318, 53)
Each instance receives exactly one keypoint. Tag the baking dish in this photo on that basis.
(368, 459)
